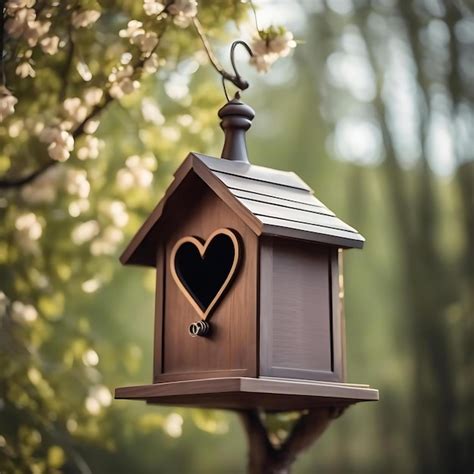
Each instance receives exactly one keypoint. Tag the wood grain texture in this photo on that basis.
(159, 311)
(312, 221)
(231, 346)
(244, 393)
(299, 331)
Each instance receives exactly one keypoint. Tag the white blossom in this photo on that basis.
(90, 357)
(28, 231)
(77, 183)
(151, 64)
(116, 211)
(91, 126)
(50, 44)
(183, 11)
(75, 111)
(4, 301)
(99, 397)
(270, 45)
(151, 112)
(90, 149)
(137, 172)
(122, 82)
(134, 28)
(61, 143)
(77, 207)
(7, 103)
(83, 69)
(92, 406)
(24, 24)
(153, 7)
(135, 33)
(173, 425)
(262, 63)
(93, 95)
(15, 128)
(108, 242)
(85, 18)
(29, 224)
(18, 25)
(24, 313)
(24, 70)
(35, 30)
(85, 232)
(12, 6)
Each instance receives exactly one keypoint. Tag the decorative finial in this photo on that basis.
(236, 119)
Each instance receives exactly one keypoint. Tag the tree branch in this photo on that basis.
(9, 183)
(79, 130)
(235, 79)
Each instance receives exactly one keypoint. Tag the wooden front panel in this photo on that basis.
(300, 325)
(231, 348)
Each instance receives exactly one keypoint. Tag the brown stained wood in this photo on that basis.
(299, 331)
(231, 346)
(202, 247)
(245, 393)
(159, 309)
(226, 177)
(147, 226)
(140, 250)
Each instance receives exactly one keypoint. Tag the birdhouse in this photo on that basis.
(248, 310)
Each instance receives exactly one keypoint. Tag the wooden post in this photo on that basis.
(266, 458)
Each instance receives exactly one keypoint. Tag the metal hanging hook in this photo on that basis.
(236, 79)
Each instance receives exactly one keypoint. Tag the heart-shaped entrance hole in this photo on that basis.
(203, 271)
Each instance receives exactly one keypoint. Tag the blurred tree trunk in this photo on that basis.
(437, 277)
(266, 458)
(428, 276)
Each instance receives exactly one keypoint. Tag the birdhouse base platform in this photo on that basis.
(237, 393)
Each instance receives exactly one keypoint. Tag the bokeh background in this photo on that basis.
(374, 109)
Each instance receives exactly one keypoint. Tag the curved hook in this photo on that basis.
(243, 84)
(236, 79)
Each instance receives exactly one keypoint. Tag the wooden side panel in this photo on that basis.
(300, 331)
(159, 306)
(231, 348)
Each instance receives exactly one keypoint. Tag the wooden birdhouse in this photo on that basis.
(248, 311)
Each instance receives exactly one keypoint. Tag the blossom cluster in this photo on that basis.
(23, 23)
(269, 45)
(182, 11)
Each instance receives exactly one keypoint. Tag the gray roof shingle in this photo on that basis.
(279, 199)
(274, 202)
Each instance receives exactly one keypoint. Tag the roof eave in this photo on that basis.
(355, 241)
(130, 256)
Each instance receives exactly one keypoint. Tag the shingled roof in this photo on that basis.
(271, 202)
